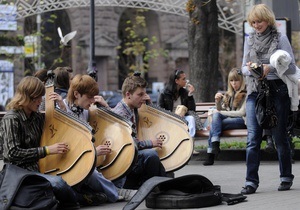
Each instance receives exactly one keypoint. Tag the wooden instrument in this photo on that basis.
(75, 165)
(157, 123)
(114, 131)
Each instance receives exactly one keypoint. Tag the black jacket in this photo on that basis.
(166, 100)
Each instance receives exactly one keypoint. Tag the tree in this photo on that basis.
(203, 47)
(227, 57)
(137, 46)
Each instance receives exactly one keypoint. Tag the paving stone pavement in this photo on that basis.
(230, 175)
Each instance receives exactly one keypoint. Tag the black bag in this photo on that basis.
(24, 189)
(189, 191)
(264, 107)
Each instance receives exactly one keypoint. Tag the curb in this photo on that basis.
(240, 155)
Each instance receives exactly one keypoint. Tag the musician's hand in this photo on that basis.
(157, 143)
(58, 148)
(102, 150)
(53, 96)
(100, 100)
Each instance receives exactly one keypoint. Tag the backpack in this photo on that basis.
(189, 191)
(23, 189)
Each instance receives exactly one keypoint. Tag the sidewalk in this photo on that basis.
(231, 176)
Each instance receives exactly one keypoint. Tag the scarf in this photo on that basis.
(263, 45)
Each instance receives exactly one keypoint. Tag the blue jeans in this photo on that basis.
(281, 100)
(96, 182)
(148, 165)
(191, 124)
(221, 123)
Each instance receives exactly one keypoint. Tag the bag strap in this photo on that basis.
(143, 191)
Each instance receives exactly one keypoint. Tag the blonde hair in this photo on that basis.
(84, 84)
(235, 74)
(261, 12)
(28, 89)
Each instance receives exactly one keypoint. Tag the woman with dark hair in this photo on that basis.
(179, 92)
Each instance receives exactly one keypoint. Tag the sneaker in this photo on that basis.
(126, 194)
(195, 152)
(94, 199)
(248, 190)
(285, 186)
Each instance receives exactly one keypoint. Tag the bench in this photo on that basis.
(202, 110)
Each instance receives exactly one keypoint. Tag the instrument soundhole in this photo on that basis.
(163, 136)
(108, 143)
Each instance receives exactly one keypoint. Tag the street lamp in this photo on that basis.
(92, 70)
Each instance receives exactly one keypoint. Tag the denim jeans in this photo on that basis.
(148, 165)
(191, 124)
(279, 95)
(96, 182)
(221, 123)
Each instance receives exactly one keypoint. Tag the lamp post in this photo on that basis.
(92, 70)
(38, 21)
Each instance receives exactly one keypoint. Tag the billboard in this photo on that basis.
(8, 16)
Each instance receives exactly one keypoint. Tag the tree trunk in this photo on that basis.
(203, 48)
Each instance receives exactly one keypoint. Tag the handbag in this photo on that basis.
(181, 110)
(264, 108)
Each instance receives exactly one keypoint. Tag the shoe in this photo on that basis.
(210, 160)
(248, 190)
(270, 148)
(215, 147)
(195, 152)
(285, 186)
(126, 194)
(94, 199)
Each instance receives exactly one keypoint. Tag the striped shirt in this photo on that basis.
(21, 139)
(122, 109)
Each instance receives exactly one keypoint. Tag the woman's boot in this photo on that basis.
(216, 147)
(210, 160)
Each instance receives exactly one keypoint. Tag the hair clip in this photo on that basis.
(136, 74)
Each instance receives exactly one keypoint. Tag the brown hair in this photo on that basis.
(84, 84)
(133, 82)
(28, 89)
(62, 78)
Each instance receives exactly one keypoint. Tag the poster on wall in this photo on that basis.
(6, 81)
(8, 16)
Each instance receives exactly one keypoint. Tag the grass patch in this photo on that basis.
(242, 144)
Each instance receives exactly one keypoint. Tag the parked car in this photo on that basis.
(113, 97)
